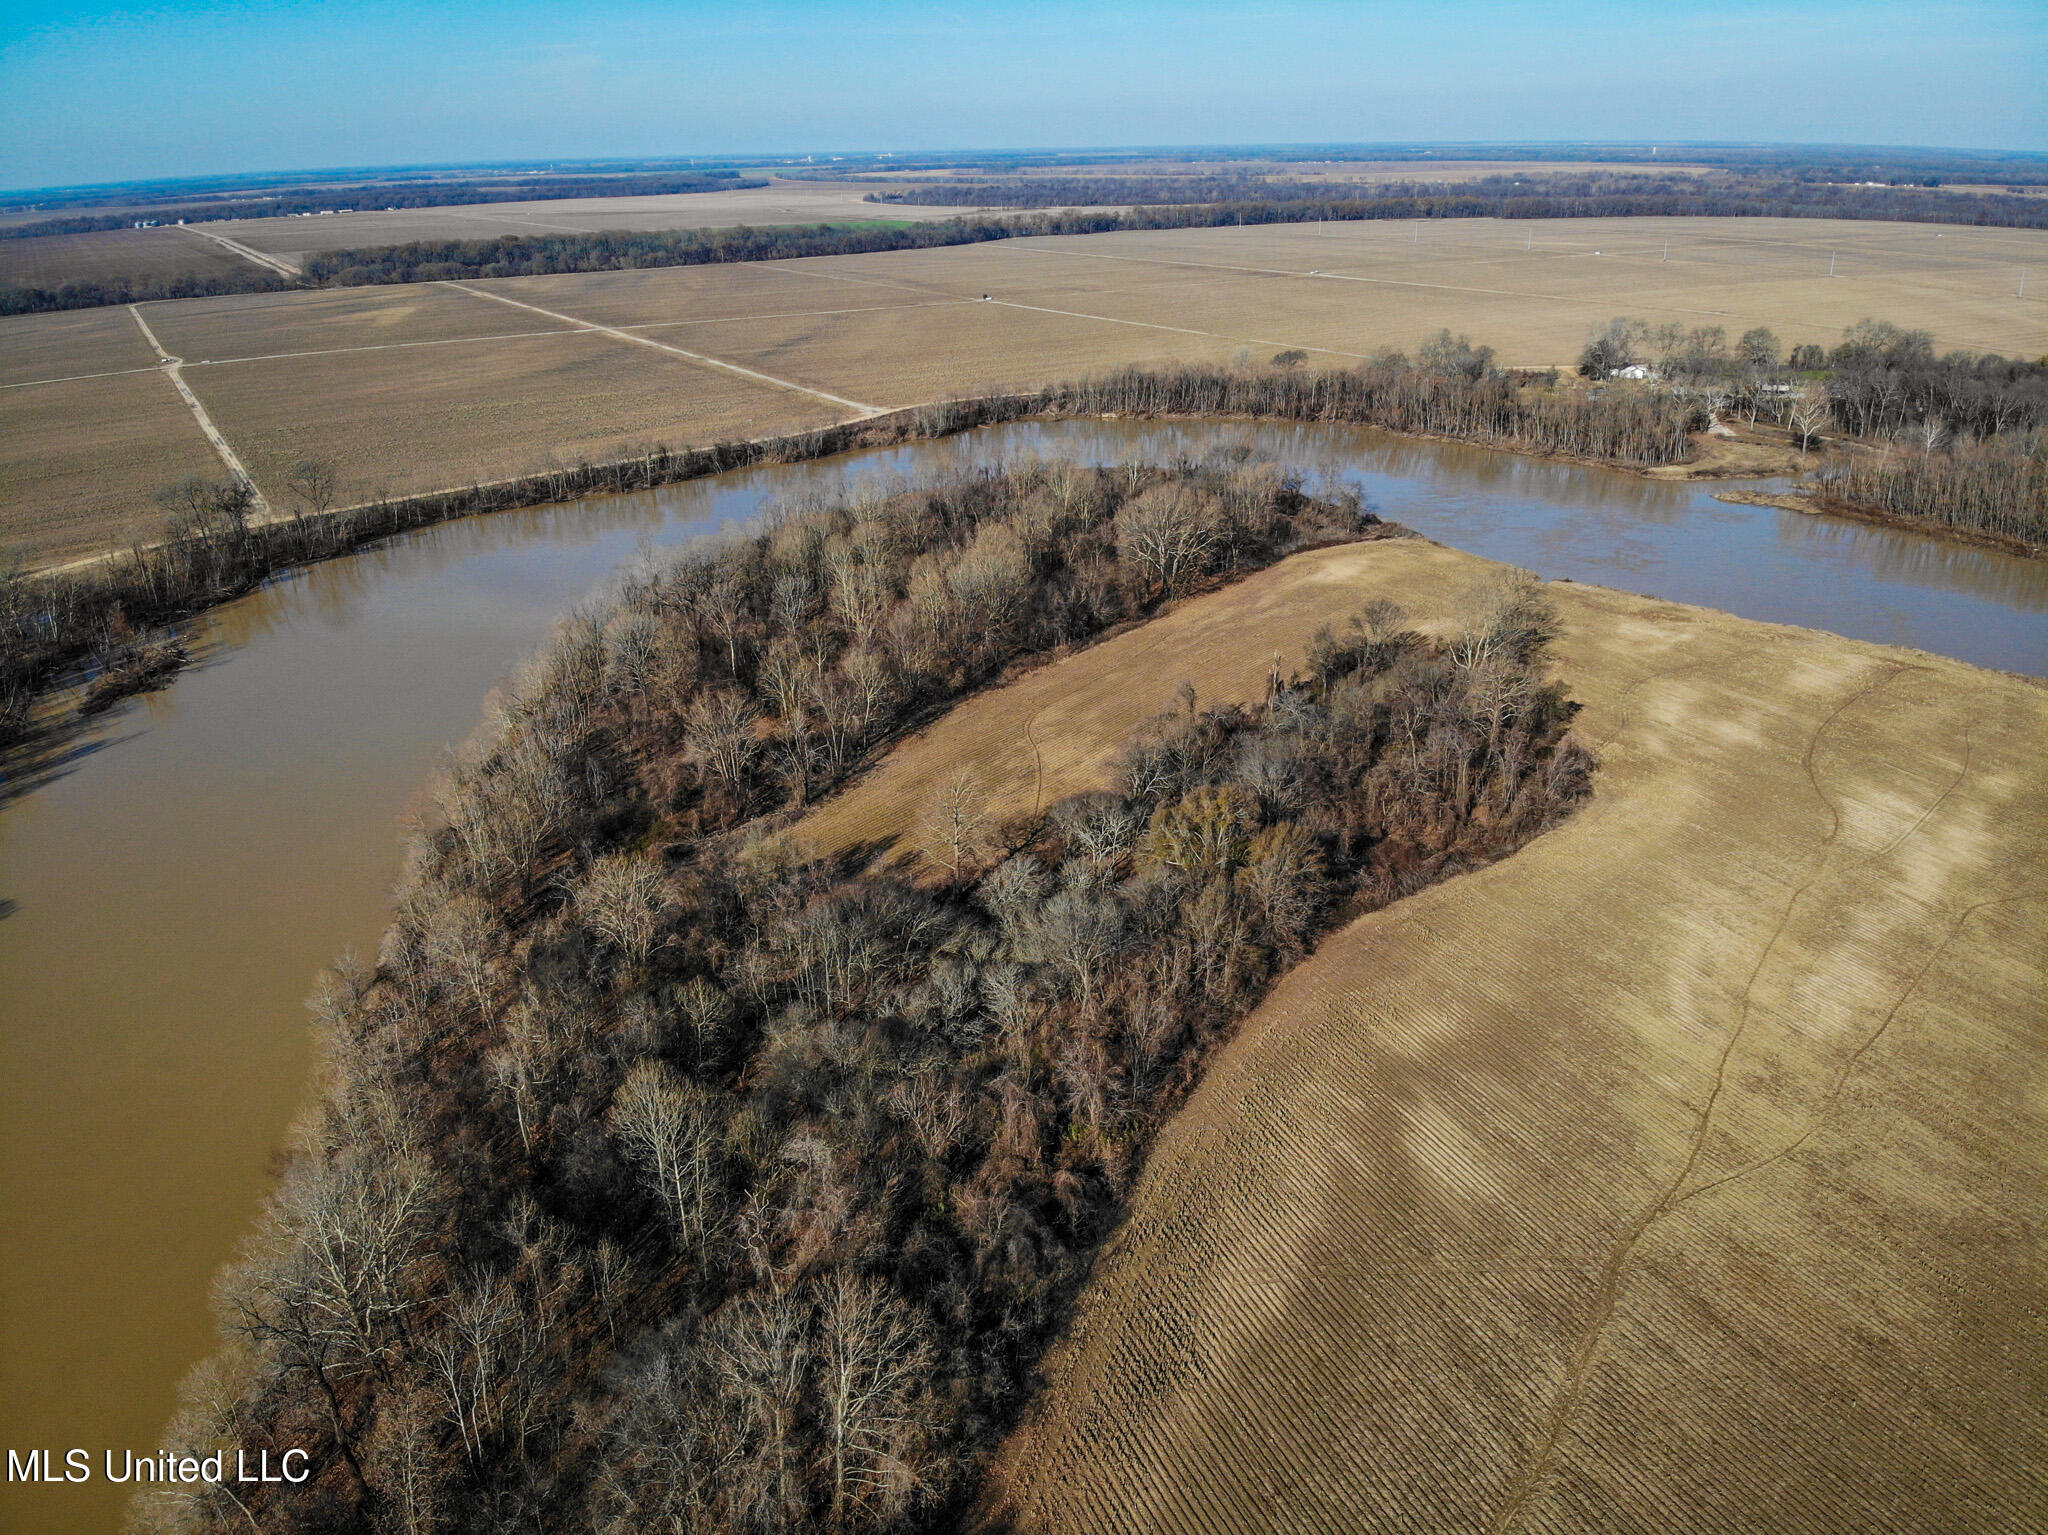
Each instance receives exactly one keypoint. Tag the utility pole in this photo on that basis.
(1532, 239)
(2023, 282)
(1667, 250)
(1418, 231)
(1831, 263)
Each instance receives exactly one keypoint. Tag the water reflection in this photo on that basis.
(195, 856)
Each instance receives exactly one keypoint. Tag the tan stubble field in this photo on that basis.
(1683, 1171)
(417, 387)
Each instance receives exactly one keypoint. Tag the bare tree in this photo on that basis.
(469, 1353)
(1808, 414)
(959, 814)
(1169, 533)
(720, 730)
(404, 1457)
(874, 1358)
(523, 1065)
(620, 900)
(312, 483)
(761, 1349)
(672, 1129)
(862, 596)
(722, 609)
(1077, 932)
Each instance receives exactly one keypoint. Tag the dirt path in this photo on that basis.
(1682, 1172)
(676, 351)
(276, 264)
(174, 370)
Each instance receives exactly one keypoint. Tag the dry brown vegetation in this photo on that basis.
(666, 1179)
(911, 326)
(1676, 1173)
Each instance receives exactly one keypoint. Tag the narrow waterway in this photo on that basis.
(178, 882)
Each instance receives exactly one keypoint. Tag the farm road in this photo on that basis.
(276, 264)
(675, 351)
(174, 370)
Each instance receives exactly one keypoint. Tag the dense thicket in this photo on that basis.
(382, 196)
(667, 1179)
(101, 617)
(1998, 487)
(620, 249)
(1450, 389)
(1269, 199)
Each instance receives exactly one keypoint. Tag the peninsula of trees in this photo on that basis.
(669, 1178)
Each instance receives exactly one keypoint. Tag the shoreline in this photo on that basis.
(1808, 504)
(283, 542)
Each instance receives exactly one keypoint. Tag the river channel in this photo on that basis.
(179, 880)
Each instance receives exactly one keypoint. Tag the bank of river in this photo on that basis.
(208, 849)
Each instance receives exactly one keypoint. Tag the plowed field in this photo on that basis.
(1682, 1172)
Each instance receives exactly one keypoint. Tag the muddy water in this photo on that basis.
(184, 874)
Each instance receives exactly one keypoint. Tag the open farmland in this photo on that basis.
(71, 344)
(388, 425)
(780, 202)
(1683, 1171)
(89, 485)
(905, 327)
(115, 256)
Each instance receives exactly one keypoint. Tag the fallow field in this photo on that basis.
(420, 386)
(1683, 1171)
(115, 256)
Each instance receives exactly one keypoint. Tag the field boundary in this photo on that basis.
(174, 370)
(276, 264)
(700, 358)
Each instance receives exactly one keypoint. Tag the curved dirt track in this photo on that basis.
(1682, 1172)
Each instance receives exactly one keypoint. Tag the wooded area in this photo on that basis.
(668, 1179)
(1266, 200)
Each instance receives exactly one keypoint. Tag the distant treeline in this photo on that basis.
(621, 249)
(669, 1179)
(1260, 200)
(1264, 203)
(1804, 162)
(377, 197)
(36, 298)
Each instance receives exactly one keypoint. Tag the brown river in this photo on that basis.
(176, 882)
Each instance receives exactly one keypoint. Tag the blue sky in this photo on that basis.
(93, 93)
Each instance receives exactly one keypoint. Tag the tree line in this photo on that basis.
(97, 619)
(1261, 199)
(381, 196)
(1179, 204)
(669, 1178)
(1958, 440)
(97, 292)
